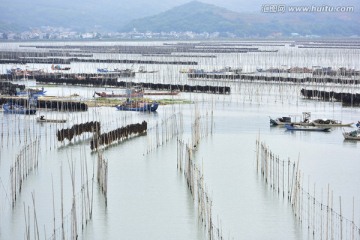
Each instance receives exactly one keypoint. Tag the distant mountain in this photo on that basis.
(179, 15)
(193, 16)
(200, 17)
(81, 15)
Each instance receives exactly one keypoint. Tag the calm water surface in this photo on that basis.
(148, 198)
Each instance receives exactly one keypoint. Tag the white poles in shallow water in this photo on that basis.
(102, 174)
(321, 220)
(26, 161)
(194, 175)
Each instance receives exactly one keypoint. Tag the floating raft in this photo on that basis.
(250, 77)
(70, 60)
(150, 86)
(52, 104)
(345, 98)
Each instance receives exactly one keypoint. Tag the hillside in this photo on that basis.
(199, 17)
(78, 15)
(173, 15)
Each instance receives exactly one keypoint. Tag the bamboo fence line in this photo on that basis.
(69, 226)
(198, 189)
(168, 129)
(194, 176)
(318, 216)
(102, 174)
(26, 161)
(202, 126)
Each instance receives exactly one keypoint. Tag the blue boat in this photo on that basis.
(292, 127)
(13, 108)
(138, 106)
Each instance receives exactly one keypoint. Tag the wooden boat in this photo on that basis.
(330, 123)
(134, 92)
(282, 121)
(353, 135)
(42, 119)
(114, 95)
(13, 108)
(292, 127)
(138, 106)
(120, 72)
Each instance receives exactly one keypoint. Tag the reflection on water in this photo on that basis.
(148, 198)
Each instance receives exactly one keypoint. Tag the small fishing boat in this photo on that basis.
(292, 127)
(135, 92)
(58, 67)
(139, 106)
(281, 121)
(115, 95)
(13, 108)
(353, 135)
(120, 72)
(42, 119)
(330, 123)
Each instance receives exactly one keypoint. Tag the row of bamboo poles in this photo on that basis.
(187, 165)
(102, 174)
(199, 192)
(161, 133)
(69, 225)
(320, 217)
(26, 162)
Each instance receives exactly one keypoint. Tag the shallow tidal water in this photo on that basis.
(148, 197)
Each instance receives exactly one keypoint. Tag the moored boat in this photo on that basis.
(116, 95)
(292, 127)
(353, 135)
(43, 119)
(58, 67)
(133, 92)
(139, 106)
(281, 121)
(330, 123)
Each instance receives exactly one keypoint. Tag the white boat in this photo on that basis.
(282, 121)
(43, 119)
(353, 135)
(330, 123)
